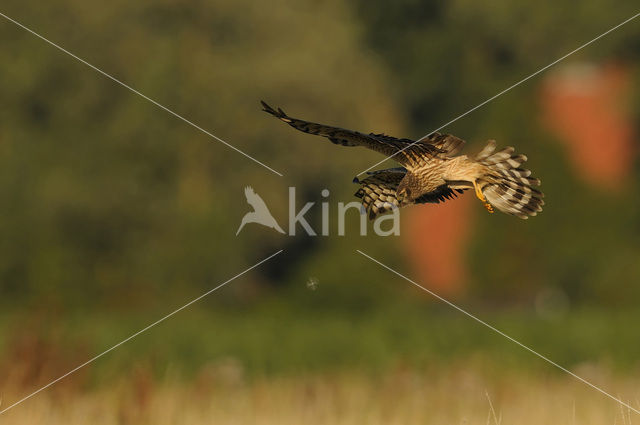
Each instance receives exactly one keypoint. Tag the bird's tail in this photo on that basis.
(507, 186)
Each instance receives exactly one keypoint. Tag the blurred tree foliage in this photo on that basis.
(109, 201)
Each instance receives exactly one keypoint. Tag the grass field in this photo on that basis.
(463, 393)
(411, 365)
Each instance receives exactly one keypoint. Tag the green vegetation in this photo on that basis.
(276, 338)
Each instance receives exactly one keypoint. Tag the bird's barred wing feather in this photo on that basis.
(449, 145)
(408, 152)
(378, 192)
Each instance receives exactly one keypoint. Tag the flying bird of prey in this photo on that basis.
(260, 213)
(432, 171)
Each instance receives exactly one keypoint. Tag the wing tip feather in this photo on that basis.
(279, 113)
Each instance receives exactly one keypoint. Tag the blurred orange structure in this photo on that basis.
(437, 241)
(585, 106)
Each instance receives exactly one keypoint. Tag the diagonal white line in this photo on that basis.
(175, 114)
(137, 333)
(504, 91)
(444, 300)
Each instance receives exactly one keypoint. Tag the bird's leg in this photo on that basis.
(480, 196)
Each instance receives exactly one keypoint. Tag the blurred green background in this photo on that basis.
(114, 212)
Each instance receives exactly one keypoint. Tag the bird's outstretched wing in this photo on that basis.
(448, 144)
(260, 213)
(408, 152)
(254, 199)
(378, 192)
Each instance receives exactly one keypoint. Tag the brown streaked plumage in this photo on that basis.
(432, 171)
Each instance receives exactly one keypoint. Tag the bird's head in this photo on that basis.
(408, 189)
(403, 193)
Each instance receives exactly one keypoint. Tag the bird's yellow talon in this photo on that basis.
(480, 196)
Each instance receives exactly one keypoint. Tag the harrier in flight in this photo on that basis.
(432, 171)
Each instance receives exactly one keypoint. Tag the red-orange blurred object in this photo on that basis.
(587, 107)
(436, 237)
